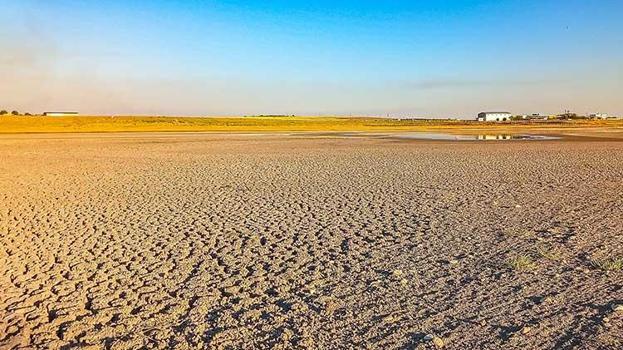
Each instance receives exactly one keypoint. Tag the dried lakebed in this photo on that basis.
(215, 241)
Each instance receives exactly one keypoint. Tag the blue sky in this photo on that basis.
(398, 58)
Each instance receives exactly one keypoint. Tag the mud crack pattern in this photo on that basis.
(232, 242)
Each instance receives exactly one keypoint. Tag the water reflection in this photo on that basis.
(481, 137)
(495, 137)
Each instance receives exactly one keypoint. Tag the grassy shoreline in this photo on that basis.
(104, 124)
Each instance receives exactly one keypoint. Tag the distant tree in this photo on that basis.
(27, 114)
(15, 112)
(3, 112)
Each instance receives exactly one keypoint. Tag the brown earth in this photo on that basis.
(214, 241)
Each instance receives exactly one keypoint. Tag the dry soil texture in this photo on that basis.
(254, 242)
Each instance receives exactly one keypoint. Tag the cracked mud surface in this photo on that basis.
(199, 241)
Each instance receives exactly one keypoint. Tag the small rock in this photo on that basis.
(453, 262)
(388, 318)
(230, 291)
(330, 306)
(404, 281)
(286, 335)
(617, 307)
(526, 329)
(517, 206)
(438, 342)
(397, 273)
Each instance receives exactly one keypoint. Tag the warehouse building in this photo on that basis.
(494, 116)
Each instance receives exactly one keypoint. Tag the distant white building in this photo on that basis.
(536, 116)
(494, 116)
(599, 115)
(59, 114)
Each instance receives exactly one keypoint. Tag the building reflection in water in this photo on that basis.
(495, 137)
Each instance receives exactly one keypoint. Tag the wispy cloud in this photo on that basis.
(468, 83)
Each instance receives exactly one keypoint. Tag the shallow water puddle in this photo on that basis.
(481, 137)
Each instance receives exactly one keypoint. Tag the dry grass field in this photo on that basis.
(185, 241)
(11, 124)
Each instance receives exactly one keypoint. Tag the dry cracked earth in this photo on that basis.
(257, 242)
